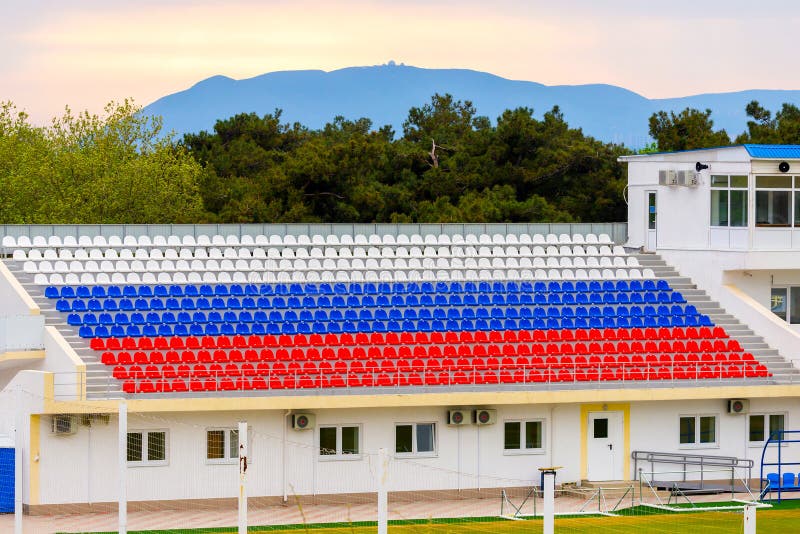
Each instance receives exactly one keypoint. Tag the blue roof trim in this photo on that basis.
(773, 151)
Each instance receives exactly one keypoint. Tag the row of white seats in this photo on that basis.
(156, 266)
(57, 279)
(301, 240)
(345, 252)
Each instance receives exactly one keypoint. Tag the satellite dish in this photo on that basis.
(700, 166)
(783, 166)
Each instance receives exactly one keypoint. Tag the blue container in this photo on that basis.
(7, 480)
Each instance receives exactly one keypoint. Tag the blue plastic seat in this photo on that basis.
(63, 305)
(110, 305)
(596, 298)
(188, 304)
(180, 330)
(788, 481)
(622, 285)
(608, 285)
(595, 287)
(74, 319)
(206, 290)
(90, 319)
(221, 290)
(133, 331)
(94, 305)
(184, 318)
(67, 292)
(268, 290)
(83, 292)
(243, 329)
(154, 303)
(637, 298)
(211, 329)
(174, 291)
(102, 332)
(203, 304)
(774, 481)
(173, 304)
(609, 298)
(635, 285)
(677, 297)
(236, 290)
(105, 319)
(622, 298)
(273, 329)
(553, 286)
(144, 291)
(98, 292)
(165, 330)
(705, 320)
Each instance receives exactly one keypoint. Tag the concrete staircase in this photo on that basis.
(782, 370)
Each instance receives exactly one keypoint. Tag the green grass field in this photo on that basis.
(783, 518)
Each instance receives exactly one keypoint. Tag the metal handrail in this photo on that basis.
(687, 459)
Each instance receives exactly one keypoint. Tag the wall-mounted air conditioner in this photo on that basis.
(688, 178)
(458, 417)
(303, 421)
(485, 416)
(667, 177)
(63, 425)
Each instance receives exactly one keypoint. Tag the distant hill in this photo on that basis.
(385, 93)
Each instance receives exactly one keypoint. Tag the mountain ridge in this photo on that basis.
(385, 93)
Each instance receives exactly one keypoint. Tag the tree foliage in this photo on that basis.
(689, 129)
(763, 128)
(89, 169)
(449, 165)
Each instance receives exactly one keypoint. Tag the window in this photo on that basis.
(729, 201)
(415, 438)
(763, 426)
(785, 303)
(522, 436)
(698, 430)
(147, 447)
(773, 194)
(222, 445)
(340, 442)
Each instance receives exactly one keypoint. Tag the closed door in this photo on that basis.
(604, 447)
(652, 221)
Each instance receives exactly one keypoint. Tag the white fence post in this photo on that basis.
(242, 477)
(749, 519)
(123, 468)
(383, 494)
(549, 509)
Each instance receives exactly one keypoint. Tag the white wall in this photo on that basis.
(467, 457)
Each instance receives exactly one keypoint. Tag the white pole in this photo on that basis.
(749, 519)
(383, 494)
(242, 477)
(549, 502)
(123, 468)
(18, 474)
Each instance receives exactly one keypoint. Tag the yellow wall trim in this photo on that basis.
(21, 355)
(143, 404)
(625, 408)
(33, 308)
(33, 459)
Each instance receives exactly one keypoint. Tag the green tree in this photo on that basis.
(85, 168)
(763, 128)
(687, 130)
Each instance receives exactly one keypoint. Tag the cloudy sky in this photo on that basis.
(86, 52)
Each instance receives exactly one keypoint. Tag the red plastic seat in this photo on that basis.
(108, 358)
(97, 344)
(129, 386)
(258, 382)
(145, 386)
(176, 343)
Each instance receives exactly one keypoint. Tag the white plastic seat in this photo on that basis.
(605, 250)
(39, 241)
(70, 279)
(591, 250)
(578, 250)
(169, 254)
(24, 241)
(577, 239)
(117, 278)
(360, 239)
(115, 241)
(632, 262)
(564, 239)
(552, 250)
(194, 278)
(484, 239)
(217, 240)
(102, 278)
(416, 239)
(430, 239)
(578, 261)
(608, 274)
(565, 250)
(444, 239)
(388, 239)
(9, 241)
(259, 253)
(215, 253)
(594, 274)
(159, 241)
(618, 250)
(54, 241)
(188, 241)
(619, 262)
(648, 273)
(591, 239)
(19, 255)
(203, 241)
(173, 241)
(49, 254)
(605, 239)
(605, 261)
(145, 241)
(581, 274)
(261, 240)
(457, 239)
(209, 277)
(141, 254)
(87, 279)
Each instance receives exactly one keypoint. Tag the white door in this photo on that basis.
(652, 221)
(604, 447)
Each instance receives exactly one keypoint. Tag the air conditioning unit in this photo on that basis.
(738, 406)
(688, 178)
(303, 421)
(94, 419)
(458, 417)
(485, 416)
(63, 425)
(667, 178)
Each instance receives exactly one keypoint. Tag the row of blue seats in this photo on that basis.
(77, 319)
(304, 327)
(212, 329)
(367, 301)
(397, 288)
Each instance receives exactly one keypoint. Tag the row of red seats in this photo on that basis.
(407, 338)
(263, 369)
(389, 353)
(157, 384)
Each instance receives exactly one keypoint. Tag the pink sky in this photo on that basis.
(85, 53)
